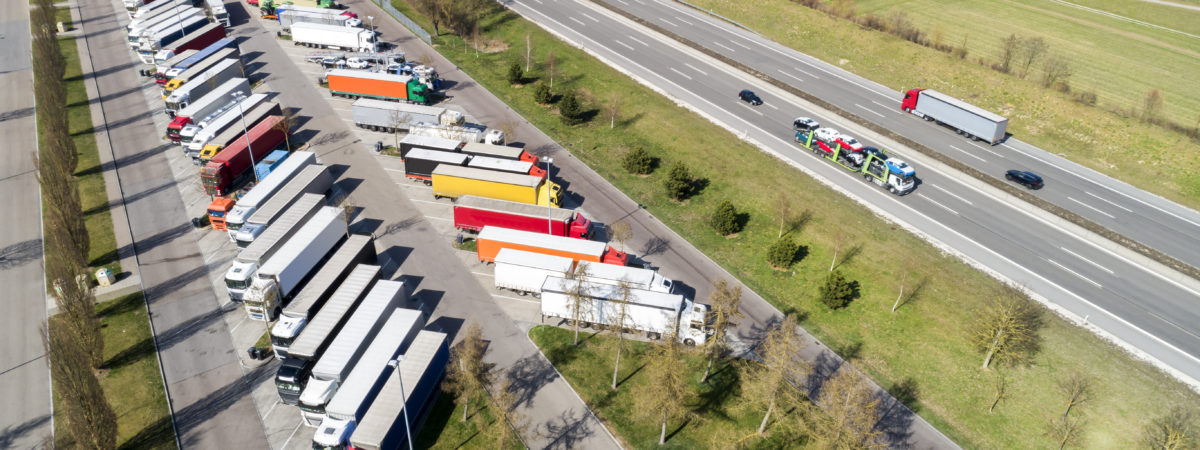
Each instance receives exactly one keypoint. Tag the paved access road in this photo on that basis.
(24, 375)
(1117, 295)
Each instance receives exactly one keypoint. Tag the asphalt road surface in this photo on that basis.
(1116, 295)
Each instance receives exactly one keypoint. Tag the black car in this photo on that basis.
(876, 152)
(1029, 179)
(748, 96)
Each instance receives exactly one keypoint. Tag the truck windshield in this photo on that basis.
(287, 387)
(237, 284)
(281, 341)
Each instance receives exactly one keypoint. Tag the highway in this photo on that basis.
(24, 375)
(1115, 294)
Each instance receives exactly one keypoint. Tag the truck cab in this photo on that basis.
(693, 323)
(317, 393)
(290, 379)
(217, 211)
(248, 233)
(892, 174)
(910, 100)
(284, 332)
(333, 434)
(238, 279)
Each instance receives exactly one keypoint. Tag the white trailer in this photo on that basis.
(245, 265)
(289, 17)
(217, 12)
(332, 36)
(230, 118)
(525, 272)
(366, 380)
(967, 119)
(457, 133)
(207, 80)
(157, 21)
(258, 196)
(406, 395)
(141, 10)
(655, 313)
(358, 249)
(379, 115)
(276, 281)
(347, 348)
(313, 179)
(154, 39)
(320, 331)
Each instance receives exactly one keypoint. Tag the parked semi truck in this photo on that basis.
(498, 151)
(226, 47)
(217, 12)
(491, 240)
(421, 163)
(406, 396)
(160, 21)
(195, 40)
(358, 249)
(237, 131)
(332, 36)
(227, 171)
(966, 119)
(269, 8)
(245, 265)
(379, 115)
(472, 213)
(303, 352)
(453, 182)
(266, 187)
(288, 17)
(876, 166)
(410, 142)
(195, 135)
(210, 105)
(457, 133)
(141, 10)
(525, 272)
(382, 86)
(207, 77)
(347, 348)
(355, 396)
(506, 165)
(655, 313)
(269, 163)
(163, 67)
(278, 279)
(313, 179)
(151, 41)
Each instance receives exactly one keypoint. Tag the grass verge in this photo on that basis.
(923, 349)
(445, 429)
(131, 379)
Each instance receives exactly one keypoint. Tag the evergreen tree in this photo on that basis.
(542, 94)
(638, 162)
(781, 254)
(725, 219)
(836, 293)
(515, 73)
(679, 182)
(570, 111)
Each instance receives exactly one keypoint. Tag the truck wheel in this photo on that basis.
(537, 295)
(521, 293)
(690, 342)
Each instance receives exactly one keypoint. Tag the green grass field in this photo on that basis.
(444, 428)
(924, 344)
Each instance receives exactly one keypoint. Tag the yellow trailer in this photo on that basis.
(456, 181)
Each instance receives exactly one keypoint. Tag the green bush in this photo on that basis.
(542, 94)
(638, 162)
(679, 182)
(782, 253)
(515, 73)
(569, 109)
(725, 219)
(836, 293)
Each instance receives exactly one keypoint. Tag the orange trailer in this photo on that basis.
(489, 242)
(377, 85)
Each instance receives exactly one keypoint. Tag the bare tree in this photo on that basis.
(1007, 328)
(1056, 69)
(1077, 389)
(1064, 430)
(509, 128)
(783, 208)
(550, 62)
(286, 124)
(1175, 430)
(90, 417)
(397, 120)
(579, 295)
(666, 396)
(839, 238)
(725, 302)
(1009, 47)
(528, 50)
(614, 108)
(434, 10)
(771, 382)
(1031, 49)
(903, 280)
(1152, 105)
(468, 375)
(475, 38)
(852, 411)
(620, 232)
(77, 308)
(999, 390)
(510, 423)
(620, 314)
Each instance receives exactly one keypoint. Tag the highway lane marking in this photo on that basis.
(684, 21)
(739, 44)
(869, 110)
(952, 194)
(694, 68)
(624, 44)
(947, 208)
(881, 104)
(1093, 208)
(749, 108)
(984, 148)
(623, 2)
(668, 22)
(726, 47)
(575, 20)
(680, 73)
(1106, 201)
(806, 72)
(790, 75)
(638, 41)
(968, 153)
(1072, 272)
(1088, 261)
(772, 106)
(590, 17)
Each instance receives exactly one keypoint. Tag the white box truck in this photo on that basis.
(379, 115)
(655, 313)
(525, 272)
(358, 249)
(347, 348)
(267, 187)
(141, 10)
(966, 119)
(288, 17)
(332, 36)
(313, 179)
(407, 395)
(278, 279)
(152, 41)
(229, 120)
(245, 265)
(368, 377)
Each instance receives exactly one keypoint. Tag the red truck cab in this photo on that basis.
(910, 100)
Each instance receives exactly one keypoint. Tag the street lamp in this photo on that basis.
(373, 43)
(395, 363)
(239, 96)
(549, 209)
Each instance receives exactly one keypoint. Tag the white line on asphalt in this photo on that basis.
(539, 2)
(438, 218)
(638, 41)
(680, 73)
(968, 153)
(868, 110)
(1072, 272)
(392, 170)
(574, 19)
(668, 22)
(772, 106)
(684, 21)
(623, 2)
(951, 194)
(881, 104)
(739, 44)
(590, 17)
(482, 274)
(624, 44)
(806, 72)
(1093, 208)
(947, 208)
(1106, 201)
(790, 75)
(984, 148)
(749, 108)
(272, 408)
(285, 442)
(694, 68)
(517, 299)
(726, 47)
(235, 327)
(1088, 261)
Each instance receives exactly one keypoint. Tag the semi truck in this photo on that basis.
(195, 40)
(249, 259)
(359, 84)
(966, 119)
(472, 213)
(158, 21)
(303, 352)
(228, 170)
(193, 137)
(196, 69)
(491, 240)
(358, 249)
(151, 41)
(313, 179)
(266, 187)
(379, 115)
(655, 313)
(506, 165)
(278, 279)
(163, 67)
(210, 105)
(524, 273)
(498, 151)
(237, 131)
(332, 36)
(288, 17)
(421, 163)
(875, 165)
(406, 396)
(269, 163)
(181, 92)
(347, 348)
(411, 142)
(142, 10)
(269, 8)
(453, 182)
(355, 396)
(167, 72)
(217, 12)
(457, 133)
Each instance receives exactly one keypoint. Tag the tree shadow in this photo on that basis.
(682, 425)
(849, 255)
(630, 375)
(797, 224)
(655, 245)
(850, 351)
(567, 431)
(19, 254)
(527, 376)
(10, 434)
(914, 293)
(907, 392)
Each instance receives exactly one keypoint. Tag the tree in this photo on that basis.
(1007, 328)
(509, 422)
(550, 62)
(77, 308)
(90, 417)
(620, 314)
(475, 38)
(725, 302)
(620, 232)
(836, 293)
(614, 108)
(638, 162)
(839, 238)
(783, 207)
(725, 219)
(579, 296)
(285, 125)
(1056, 70)
(1008, 50)
(903, 280)
(542, 94)
(1032, 49)
(666, 396)
(1077, 389)
(852, 412)
(468, 374)
(1064, 430)
(1175, 430)
(1152, 106)
(771, 383)
(781, 254)
(679, 181)
(999, 390)
(433, 9)
(528, 49)
(515, 74)
(570, 111)
(398, 121)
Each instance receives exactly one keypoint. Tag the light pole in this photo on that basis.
(239, 96)
(549, 209)
(373, 44)
(395, 363)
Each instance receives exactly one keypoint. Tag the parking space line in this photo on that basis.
(517, 299)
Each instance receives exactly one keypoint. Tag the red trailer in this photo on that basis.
(232, 167)
(196, 40)
(473, 213)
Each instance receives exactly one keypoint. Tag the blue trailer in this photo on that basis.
(269, 163)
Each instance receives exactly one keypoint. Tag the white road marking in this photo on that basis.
(790, 75)
(624, 44)
(985, 148)
(739, 44)
(272, 408)
(806, 72)
(428, 201)
(539, 2)
(483, 274)
(623, 2)
(726, 47)
(575, 20)
(1088, 261)
(1072, 272)
(439, 218)
(668, 22)
(772, 106)
(638, 41)
(1106, 201)
(749, 108)
(1093, 208)
(590, 17)
(393, 170)
(517, 299)
(680, 73)
(968, 153)
(868, 110)
(285, 442)
(883, 105)
(694, 68)
(947, 208)
(684, 21)
(952, 194)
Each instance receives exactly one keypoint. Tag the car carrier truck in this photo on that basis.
(249, 259)
(876, 166)
(454, 182)
(491, 240)
(966, 119)
(358, 249)
(655, 313)
(472, 213)
(314, 179)
(280, 277)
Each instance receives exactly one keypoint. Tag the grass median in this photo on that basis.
(923, 350)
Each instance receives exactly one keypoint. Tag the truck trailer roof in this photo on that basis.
(298, 242)
(269, 240)
(488, 175)
(542, 240)
(431, 142)
(422, 355)
(964, 105)
(437, 155)
(318, 331)
(278, 177)
(358, 73)
(493, 163)
(396, 106)
(344, 351)
(555, 263)
(398, 332)
(507, 207)
(328, 274)
(282, 199)
(496, 151)
(610, 292)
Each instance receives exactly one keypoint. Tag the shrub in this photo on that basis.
(679, 182)
(638, 162)
(569, 109)
(542, 94)
(515, 73)
(1085, 97)
(725, 219)
(782, 253)
(837, 292)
